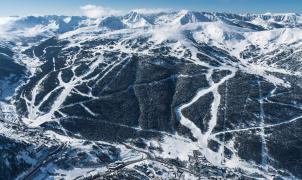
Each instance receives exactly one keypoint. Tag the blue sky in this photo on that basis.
(72, 7)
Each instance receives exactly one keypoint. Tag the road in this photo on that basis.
(50, 157)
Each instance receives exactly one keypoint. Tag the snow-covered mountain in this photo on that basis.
(30, 26)
(169, 95)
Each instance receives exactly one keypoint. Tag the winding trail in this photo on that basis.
(203, 138)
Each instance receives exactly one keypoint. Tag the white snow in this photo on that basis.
(40, 29)
(176, 147)
(67, 19)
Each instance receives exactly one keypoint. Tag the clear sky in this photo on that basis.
(72, 7)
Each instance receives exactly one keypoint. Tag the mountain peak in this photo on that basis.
(112, 23)
(137, 19)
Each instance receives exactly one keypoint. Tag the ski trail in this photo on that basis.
(36, 119)
(264, 150)
(224, 120)
(214, 109)
(215, 158)
(32, 110)
(67, 87)
(202, 138)
(54, 64)
(258, 127)
(88, 110)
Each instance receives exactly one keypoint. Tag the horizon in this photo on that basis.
(101, 7)
(162, 11)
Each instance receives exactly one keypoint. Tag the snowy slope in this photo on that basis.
(162, 95)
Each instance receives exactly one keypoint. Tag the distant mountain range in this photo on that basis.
(61, 24)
